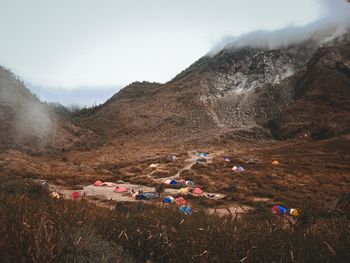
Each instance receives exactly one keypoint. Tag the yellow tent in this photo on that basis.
(184, 190)
(275, 162)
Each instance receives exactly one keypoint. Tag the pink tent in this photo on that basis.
(181, 201)
(98, 183)
(197, 191)
(182, 181)
(75, 195)
(120, 189)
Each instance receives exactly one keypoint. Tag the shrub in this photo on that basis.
(36, 228)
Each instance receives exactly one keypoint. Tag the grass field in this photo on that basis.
(37, 228)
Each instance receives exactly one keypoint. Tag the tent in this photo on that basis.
(226, 159)
(55, 195)
(185, 209)
(197, 191)
(167, 181)
(196, 154)
(240, 169)
(147, 196)
(180, 201)
(279, 210)
(237, 168)
(172, 158)
(168, 199)
(182, 181)
(275, 162)
(120, 189)
(184, 190)
(75, 195)
(173, 182)
(154, 165)
(98, 183)
(190, 183)
(204, 154)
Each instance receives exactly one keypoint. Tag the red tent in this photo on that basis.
(75, 195)
(181, 201)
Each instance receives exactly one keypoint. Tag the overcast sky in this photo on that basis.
(103, 44)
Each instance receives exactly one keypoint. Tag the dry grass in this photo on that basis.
(35, 228)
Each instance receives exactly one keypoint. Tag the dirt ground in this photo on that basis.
(310, 172)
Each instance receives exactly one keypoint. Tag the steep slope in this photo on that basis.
(321, 99)
(28, 124)
(240, 89)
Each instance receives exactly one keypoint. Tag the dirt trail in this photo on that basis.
(189, 162)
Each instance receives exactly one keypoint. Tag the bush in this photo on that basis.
(39, 229)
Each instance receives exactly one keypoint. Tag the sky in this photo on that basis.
(83, 51)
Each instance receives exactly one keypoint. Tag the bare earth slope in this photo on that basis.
(240, 90)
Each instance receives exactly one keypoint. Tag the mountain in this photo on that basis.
(241, 90)
(30, 125)
(321, 95)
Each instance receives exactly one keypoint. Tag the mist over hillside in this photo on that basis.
(335, 23)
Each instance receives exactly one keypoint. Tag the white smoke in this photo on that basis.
(27, 118)
(334, 23)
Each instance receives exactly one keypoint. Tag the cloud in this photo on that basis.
(334, 23)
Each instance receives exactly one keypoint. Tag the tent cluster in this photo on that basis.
(108, 184)
(201, 157)
(237, 168)
(180, 201)
(181, 182)
(279, 210)
(118, 189)
(189, 186)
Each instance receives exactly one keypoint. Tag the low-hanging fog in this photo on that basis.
(334, 23)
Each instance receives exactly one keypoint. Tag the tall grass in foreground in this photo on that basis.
(36, 228)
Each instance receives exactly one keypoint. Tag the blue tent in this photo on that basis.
(240, 169)
(146, 196)
(173, 182)
(185, 209)
(167, 199)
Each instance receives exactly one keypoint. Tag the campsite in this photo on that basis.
(175, 131)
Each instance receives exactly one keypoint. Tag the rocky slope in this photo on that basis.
(239, 89)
